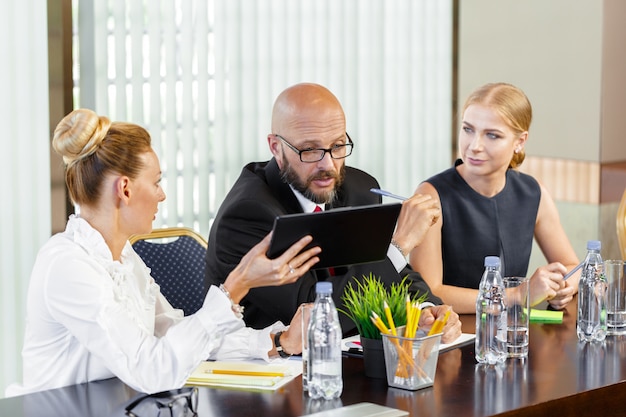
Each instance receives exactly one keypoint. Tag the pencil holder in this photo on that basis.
(411, 362)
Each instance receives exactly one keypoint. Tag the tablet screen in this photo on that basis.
(347, 236)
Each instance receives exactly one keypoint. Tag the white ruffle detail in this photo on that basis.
(134, 290)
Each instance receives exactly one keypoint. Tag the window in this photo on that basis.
(202, 75)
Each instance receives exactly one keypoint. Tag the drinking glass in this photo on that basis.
(616, 296)
(518, 315)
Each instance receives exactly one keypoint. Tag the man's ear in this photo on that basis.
(273, 142)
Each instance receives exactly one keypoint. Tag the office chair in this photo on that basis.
(621, 225)
(175, 256)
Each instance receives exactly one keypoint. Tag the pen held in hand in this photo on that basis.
(570, 273)
(387, 194)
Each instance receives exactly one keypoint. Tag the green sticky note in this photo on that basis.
(545, 316)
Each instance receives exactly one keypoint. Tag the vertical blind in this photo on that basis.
(24, 168)
(202, 75)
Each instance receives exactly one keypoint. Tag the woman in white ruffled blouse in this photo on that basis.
(94, 311)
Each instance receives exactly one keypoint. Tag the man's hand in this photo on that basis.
(452, 329)
(291, 339)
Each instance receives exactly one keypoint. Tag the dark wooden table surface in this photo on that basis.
(560, 377)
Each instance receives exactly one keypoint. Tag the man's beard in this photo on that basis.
(289, 176)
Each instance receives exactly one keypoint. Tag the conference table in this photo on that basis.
(561, 376)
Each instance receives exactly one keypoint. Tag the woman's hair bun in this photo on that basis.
(79, 134)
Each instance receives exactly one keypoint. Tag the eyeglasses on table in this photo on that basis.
(181, 402)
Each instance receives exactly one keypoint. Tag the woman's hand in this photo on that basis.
(257, 270)
(547, 283)
(563, 296)
(418, 214)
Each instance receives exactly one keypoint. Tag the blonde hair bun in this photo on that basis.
(79, 134)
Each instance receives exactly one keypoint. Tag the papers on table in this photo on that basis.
(254, 375)
(353, 343)
(464, 339)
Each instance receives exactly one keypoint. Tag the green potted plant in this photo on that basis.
(361, 299)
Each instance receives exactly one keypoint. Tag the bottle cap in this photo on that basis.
(594, 245)
(324, 287)
(492, 261)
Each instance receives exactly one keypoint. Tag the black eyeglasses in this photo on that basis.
(179, 402)
(315, 155)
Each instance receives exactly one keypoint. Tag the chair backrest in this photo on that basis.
(175, 256)
(621, 225)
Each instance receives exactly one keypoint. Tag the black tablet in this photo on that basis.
(347, 236)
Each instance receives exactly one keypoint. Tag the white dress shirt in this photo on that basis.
(90, 317)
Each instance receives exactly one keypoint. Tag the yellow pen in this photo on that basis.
(392, 326)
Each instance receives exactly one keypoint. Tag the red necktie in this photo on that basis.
(331, 270)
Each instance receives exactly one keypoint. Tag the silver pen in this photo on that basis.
(570, 273)
(387, 194)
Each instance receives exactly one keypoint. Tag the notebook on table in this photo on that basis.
(347, 236)
(254, 375)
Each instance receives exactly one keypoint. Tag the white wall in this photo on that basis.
(550, 49)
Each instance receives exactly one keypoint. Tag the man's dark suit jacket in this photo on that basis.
(247, 215)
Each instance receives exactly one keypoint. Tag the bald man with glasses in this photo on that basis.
(307, 173)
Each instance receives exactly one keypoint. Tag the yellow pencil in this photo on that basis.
(392, 325)
(243, 373)
(380, 329)
(416, 319)
(409, 318)
(379, 323)
(439, 324)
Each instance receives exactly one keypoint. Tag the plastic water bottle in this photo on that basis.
(491, 315)
(592, 287)
(324, 335)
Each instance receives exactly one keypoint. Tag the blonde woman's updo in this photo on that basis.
(92, 146)
(78, 135)
(512, 105)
